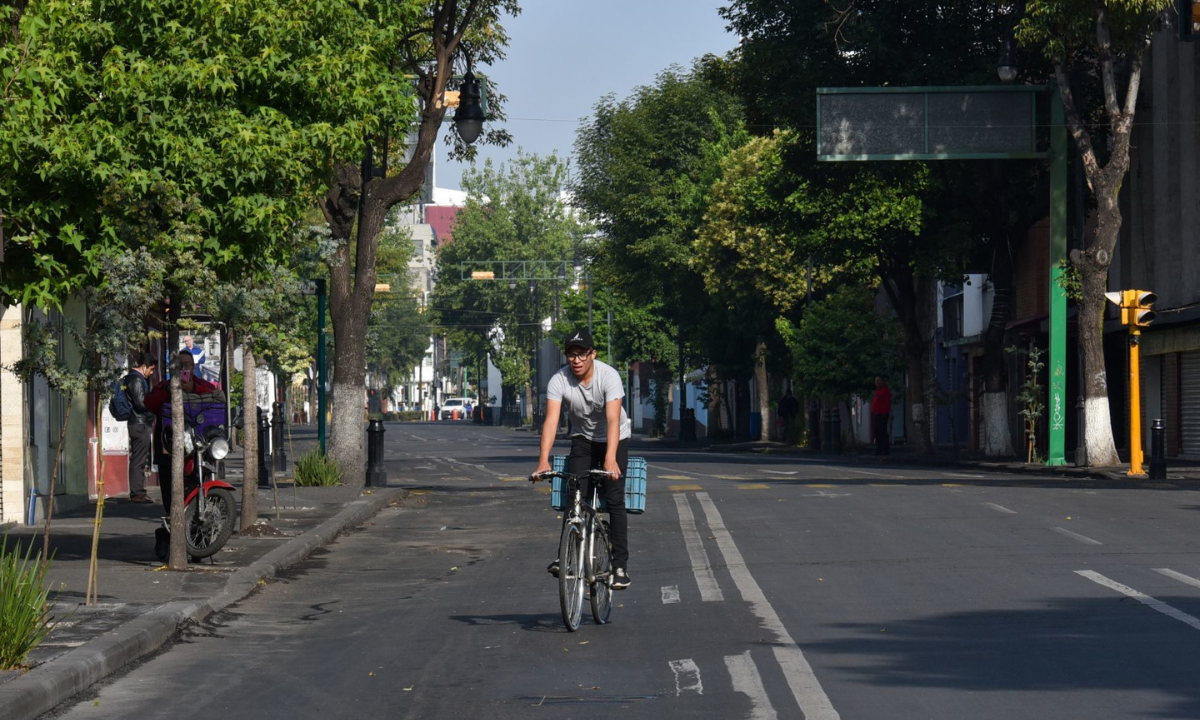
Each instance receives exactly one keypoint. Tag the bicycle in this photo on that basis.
(584, 552)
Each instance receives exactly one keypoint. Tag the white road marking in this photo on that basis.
(686, 672)
(1185, 579)
(709, 590)
(1076, 536)
(1141, 597)
(670, 594)
(962, 475)
(781, 472)
(863, 472)
(1000, 508)
(417, 437)
(685, 472)
(803, 682)
(747, 681)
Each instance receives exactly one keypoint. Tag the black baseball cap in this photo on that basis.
(581, 339)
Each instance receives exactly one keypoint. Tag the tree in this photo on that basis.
(646, 166)
(516, 225)
(425, 48)
(842, 344)
(1106, 40)
(920, 232)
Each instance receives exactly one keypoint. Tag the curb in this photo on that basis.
(45, 687)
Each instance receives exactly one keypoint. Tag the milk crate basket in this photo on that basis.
(635, 486)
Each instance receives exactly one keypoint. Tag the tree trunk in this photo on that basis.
(178, 552)
(915, 302)
(1097, 430)
(250, 425)
(764, 392)
(62, 436)
(742, 393)
(233, 439)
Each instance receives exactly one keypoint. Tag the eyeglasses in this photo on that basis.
(576, 357)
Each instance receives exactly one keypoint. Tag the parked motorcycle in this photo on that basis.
(209, 510)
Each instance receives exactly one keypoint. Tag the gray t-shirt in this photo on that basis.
(585, 403)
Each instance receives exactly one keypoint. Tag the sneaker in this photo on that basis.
(621, 579)
(552, 568)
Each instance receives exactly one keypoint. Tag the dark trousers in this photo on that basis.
(882, 440)
(140, 439)
(587, 455)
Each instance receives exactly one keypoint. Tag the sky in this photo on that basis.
(564, 55)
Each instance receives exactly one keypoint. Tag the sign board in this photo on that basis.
(928, 123)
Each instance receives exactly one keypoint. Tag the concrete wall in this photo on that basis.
(12, 427)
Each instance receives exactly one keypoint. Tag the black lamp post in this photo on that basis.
(469, 117)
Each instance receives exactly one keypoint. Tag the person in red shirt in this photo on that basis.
(184, 364)
(881, 409)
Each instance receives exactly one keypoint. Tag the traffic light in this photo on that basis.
(1135, 307)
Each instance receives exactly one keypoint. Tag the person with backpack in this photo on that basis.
(140, 422)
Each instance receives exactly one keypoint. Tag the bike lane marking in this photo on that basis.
(748, 681)
(805, 687)
(687, 677)
(710, 591)
(1141, 597)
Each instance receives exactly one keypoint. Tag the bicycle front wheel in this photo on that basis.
(571, 573)
(601, 588)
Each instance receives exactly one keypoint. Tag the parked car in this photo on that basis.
(453, 406)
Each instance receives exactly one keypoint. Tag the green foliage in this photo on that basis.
(841, 345)
(646, 165)
(25, 609)
(396, 341)
(1032, 398)
(315, 469)
(515, 212)
(1064, 31)
(1070, 280)
(193, 128)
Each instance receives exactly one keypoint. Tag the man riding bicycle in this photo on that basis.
(592, 392)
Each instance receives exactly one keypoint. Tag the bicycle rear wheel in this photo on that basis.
(571, 575)
(601, 588)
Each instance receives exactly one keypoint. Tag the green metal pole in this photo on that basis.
(321, 364)
(1058, 298)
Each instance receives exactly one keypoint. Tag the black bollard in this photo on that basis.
(376, 474)
(1158, 451)
(278, 427)
(264, 443)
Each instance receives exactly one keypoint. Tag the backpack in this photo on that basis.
(120, 405)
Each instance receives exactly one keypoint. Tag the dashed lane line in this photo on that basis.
(683, 488)
(687, 677)
(813, 701)
(1000, 508)
(1076, 536)
(1185, 579)
(1141, 597)
(754, 486)
(670, 594)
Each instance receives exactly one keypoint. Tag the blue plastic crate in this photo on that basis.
(635, 486)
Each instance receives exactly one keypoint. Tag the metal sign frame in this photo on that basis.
(1057, 157)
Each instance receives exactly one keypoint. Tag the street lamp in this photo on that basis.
(469, 117)
(1006, 68)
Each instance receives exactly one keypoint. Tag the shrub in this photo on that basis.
(25, 617)
(315, 469)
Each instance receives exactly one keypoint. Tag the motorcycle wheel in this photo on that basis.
(207, 534)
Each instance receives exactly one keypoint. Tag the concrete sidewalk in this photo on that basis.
(141, 605)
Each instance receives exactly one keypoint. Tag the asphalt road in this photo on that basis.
(764, 587)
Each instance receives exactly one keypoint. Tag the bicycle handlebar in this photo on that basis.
(566, 475)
